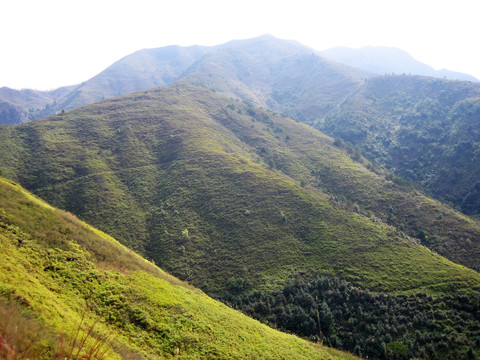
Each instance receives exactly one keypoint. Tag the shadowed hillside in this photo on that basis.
(422, 129)
(19, 106)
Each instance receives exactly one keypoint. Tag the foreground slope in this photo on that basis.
(227, 195)
(56, 271)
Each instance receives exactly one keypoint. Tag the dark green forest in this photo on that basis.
(372, 325)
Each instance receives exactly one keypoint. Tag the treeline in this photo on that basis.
(371, 325)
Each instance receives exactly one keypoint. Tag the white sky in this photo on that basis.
(50, 43)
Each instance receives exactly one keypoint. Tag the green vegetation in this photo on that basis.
(236, 199)
(240, 201)
(148, 166)
(372, 325)
(423, 129)
(69, 291)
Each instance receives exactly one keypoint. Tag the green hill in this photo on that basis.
(192, 179)
(238, 200)
(58, 276)
(421, 129)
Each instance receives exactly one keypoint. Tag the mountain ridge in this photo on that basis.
(387, 60)
(165, 65)
(217, 145)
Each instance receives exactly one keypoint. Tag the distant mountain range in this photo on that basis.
(388, 60)
(149, 68)
(295, 80)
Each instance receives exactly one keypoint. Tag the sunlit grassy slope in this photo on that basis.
(221, 193)
(58, 270)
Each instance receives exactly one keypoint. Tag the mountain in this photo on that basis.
(388, 60)
(275, 74)
(422, 129)
(282, 75)
(144, 69)
(59, 275)
(177, 173)
(18, 106)
(239, 201)
(265, 70)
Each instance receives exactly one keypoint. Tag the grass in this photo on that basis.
(257, 205)
(63, 275)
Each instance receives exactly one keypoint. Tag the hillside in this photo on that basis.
(422, 129)
(58, 275)
(189, 178)
(240, 201)
(386, 60)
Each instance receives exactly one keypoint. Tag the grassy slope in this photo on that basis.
(61, 269)
(211, 189)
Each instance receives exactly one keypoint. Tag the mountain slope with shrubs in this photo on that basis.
(216, 191)
(69, 291)
(242, 202)
(422, 129)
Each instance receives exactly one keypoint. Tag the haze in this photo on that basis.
(55, 43)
